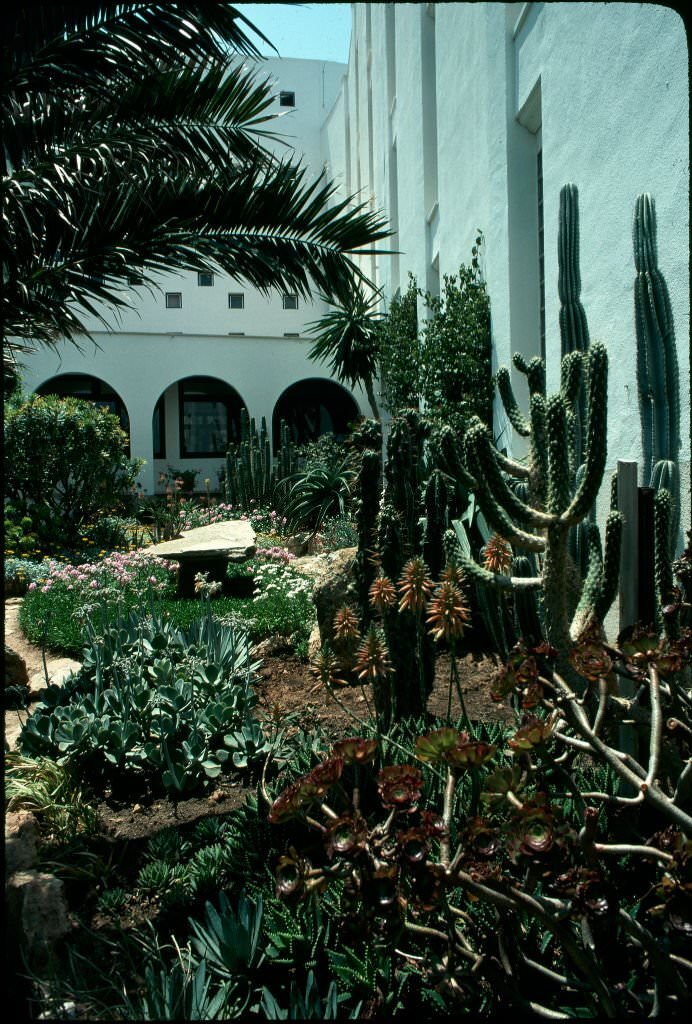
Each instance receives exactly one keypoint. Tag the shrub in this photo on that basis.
(65, 463)
(317, 492)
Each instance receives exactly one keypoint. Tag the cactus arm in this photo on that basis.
(514, 414)
(508, 465)
(594, 461)
(535, 376)
(558, 455)
(481, 454)
(571, 376)
(452, 459)
(663, 510)
(611, 564)
(538, 456)
(526, 601)
(498, 580)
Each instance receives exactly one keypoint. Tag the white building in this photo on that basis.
(459, 116)
(178, 366)
(451, 117)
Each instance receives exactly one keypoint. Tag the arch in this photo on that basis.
(313, 407)
(208, 416)
(92, 389)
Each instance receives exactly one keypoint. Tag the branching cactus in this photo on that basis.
(366, 439)
(574, 330)
(542, 526)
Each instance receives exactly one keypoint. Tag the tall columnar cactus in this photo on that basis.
(401, 535)
(542, 527)
(657, 369)
(366, 439)
(250, 470)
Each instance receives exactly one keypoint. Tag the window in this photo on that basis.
(174, 300)
(159, 428)
(290, 300)
(291, 334)
(205, 280)
(236, 300)
(209, 413)
(287, 99)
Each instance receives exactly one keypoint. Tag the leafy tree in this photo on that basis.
(399, 352)
(134, 140)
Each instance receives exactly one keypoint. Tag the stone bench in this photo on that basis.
(207, 549)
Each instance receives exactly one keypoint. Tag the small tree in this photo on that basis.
(65, 462)
(399, 352)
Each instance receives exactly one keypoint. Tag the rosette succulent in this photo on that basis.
(400, 786)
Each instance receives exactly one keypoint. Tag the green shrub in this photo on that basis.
(65, 463)
(321, 490)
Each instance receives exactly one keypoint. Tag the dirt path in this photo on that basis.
(57, 666)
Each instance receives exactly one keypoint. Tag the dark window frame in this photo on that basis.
(290, 295)
(204, 284)
(222, 398)
(160, 410)
(169, 295)
(236, 295)
(287, 99)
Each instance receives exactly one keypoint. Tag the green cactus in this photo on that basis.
(367, 440)
(543, 528)
(574, 329)
(657, 370)
(250, 470)
(663, 572)
(401, 535)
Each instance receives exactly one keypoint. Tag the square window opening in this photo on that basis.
(236, 300)
(174, 300)
(205, 280)
(287, 99)
(290, 301)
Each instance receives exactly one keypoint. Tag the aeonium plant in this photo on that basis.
(569, 870)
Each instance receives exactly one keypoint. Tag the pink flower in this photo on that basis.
(152, 579)
(32, 586)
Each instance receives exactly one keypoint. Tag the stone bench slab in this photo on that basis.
(233, 541)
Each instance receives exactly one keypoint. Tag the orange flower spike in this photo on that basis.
(346, 624)
(382, 594)
(372, 657)
(415, 586)
(448, 612)
(453, 574)
(497, 554)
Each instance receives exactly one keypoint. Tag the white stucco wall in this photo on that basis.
(603, 89)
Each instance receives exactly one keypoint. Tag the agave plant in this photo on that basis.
(318, 492)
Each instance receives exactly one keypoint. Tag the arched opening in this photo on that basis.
(92, 389)
(314, 407)
(208, 416)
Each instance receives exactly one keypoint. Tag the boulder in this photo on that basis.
(59, 669)
(37, 913)
(15, 669)
(335, 587)
(21, 841)
(301, 544)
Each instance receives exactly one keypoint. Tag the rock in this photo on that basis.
(234, 541)
(15, 669)
(314, 642)
(272, 645)
(59, 669)
(301, 544)
(21, 841)
(336, 586)
(207, 549)
(37, 912)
